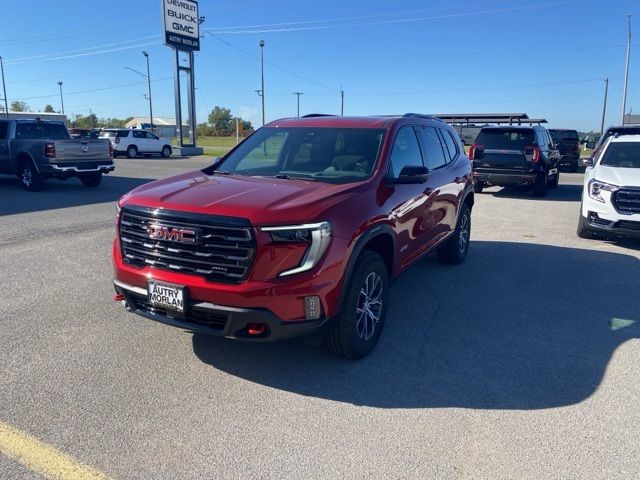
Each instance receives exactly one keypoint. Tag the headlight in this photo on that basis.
(316, 235)
(596, 188)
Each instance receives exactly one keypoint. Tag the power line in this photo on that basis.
(395, 21)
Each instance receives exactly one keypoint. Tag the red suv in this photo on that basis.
(298, 230)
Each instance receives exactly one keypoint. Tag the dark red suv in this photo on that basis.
(298, 230)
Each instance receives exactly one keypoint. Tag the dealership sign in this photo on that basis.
(181, 24)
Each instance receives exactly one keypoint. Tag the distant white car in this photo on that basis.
(134, 142)
(611, 195)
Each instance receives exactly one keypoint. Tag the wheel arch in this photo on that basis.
(23, 157)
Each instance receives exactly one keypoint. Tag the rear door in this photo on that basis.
(504, 149)
(4, 146)
(139, 140)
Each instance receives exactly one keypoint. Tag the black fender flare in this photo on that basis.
(358, 248)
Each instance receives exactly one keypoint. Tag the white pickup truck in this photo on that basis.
(134, 142)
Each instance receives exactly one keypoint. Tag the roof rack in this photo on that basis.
(421, 115)
(313, 115)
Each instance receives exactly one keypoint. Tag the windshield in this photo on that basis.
(506, 139)
(558, 135)
(335, 155)
(622, 155)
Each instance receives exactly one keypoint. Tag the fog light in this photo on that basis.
(312, 308)
(256, 328)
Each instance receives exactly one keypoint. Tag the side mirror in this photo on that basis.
(586, 162)
(412, 174)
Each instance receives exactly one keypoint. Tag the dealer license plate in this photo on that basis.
(166, 296)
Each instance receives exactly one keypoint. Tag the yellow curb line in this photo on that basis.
(43, 459)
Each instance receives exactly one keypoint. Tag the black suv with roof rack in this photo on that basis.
(506, 156)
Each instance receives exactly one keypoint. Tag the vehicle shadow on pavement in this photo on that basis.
(518, 326)
(58, 194)
(564, 193)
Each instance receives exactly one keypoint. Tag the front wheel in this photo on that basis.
(166, 151)
(454, 251)
(357, 330)
(583, 230)
(556, 180)
(91, 179)
(29, 177)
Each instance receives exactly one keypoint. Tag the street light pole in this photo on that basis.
(626, 71)
(149, 89)
(341, 102)
(604, 106)
(61, 99)
(262, 77)
(4, 89)
(298, 95)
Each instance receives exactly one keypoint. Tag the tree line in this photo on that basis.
(221, 123)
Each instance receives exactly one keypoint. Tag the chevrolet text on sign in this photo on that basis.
(181, 24)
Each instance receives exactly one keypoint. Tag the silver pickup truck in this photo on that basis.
(35, 150)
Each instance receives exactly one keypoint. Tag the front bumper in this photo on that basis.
(218, 320)
(603, 218)
(569, 161)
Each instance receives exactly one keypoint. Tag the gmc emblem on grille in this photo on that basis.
(162, 232)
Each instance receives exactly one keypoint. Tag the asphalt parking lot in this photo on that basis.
(521, 363)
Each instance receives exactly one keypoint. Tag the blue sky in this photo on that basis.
(544, 57)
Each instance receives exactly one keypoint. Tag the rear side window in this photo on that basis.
(139, 134)
(451, 145)
(433, 148)
(406, 151)
(505, 139)
(4, 126)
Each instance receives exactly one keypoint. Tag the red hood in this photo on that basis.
(263, 201)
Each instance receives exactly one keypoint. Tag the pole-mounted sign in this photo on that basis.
(182, 33)
(181, 24)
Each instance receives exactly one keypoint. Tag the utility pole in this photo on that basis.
(262, 77)
(61, 99)
(298, 95)
(604, 106)
(341, 101)
(4, 89)
(91, 117)
(626, 71)
(149, 89)
(237, 130)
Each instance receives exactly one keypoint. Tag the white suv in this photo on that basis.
(136, 141)
(611, 195)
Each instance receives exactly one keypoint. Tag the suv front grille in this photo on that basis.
(627, 200)
(223, 251)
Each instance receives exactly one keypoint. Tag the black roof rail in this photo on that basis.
(421, 115)
(313, 115)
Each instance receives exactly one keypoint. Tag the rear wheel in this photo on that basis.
(91, 179)
(29, 177)
(357, 330)
(132, 151)
(455, 250)
(478, 186)
(541, 185)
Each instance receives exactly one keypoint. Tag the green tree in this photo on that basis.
(221, 120)
(17, 106)
(48, 109)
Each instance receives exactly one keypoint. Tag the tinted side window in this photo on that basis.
(433, 148)
(139, 135)
(452, 147)
(4, 126)
(406, 151)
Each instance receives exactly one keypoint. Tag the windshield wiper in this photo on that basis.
(222, 172)
(289, 177)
